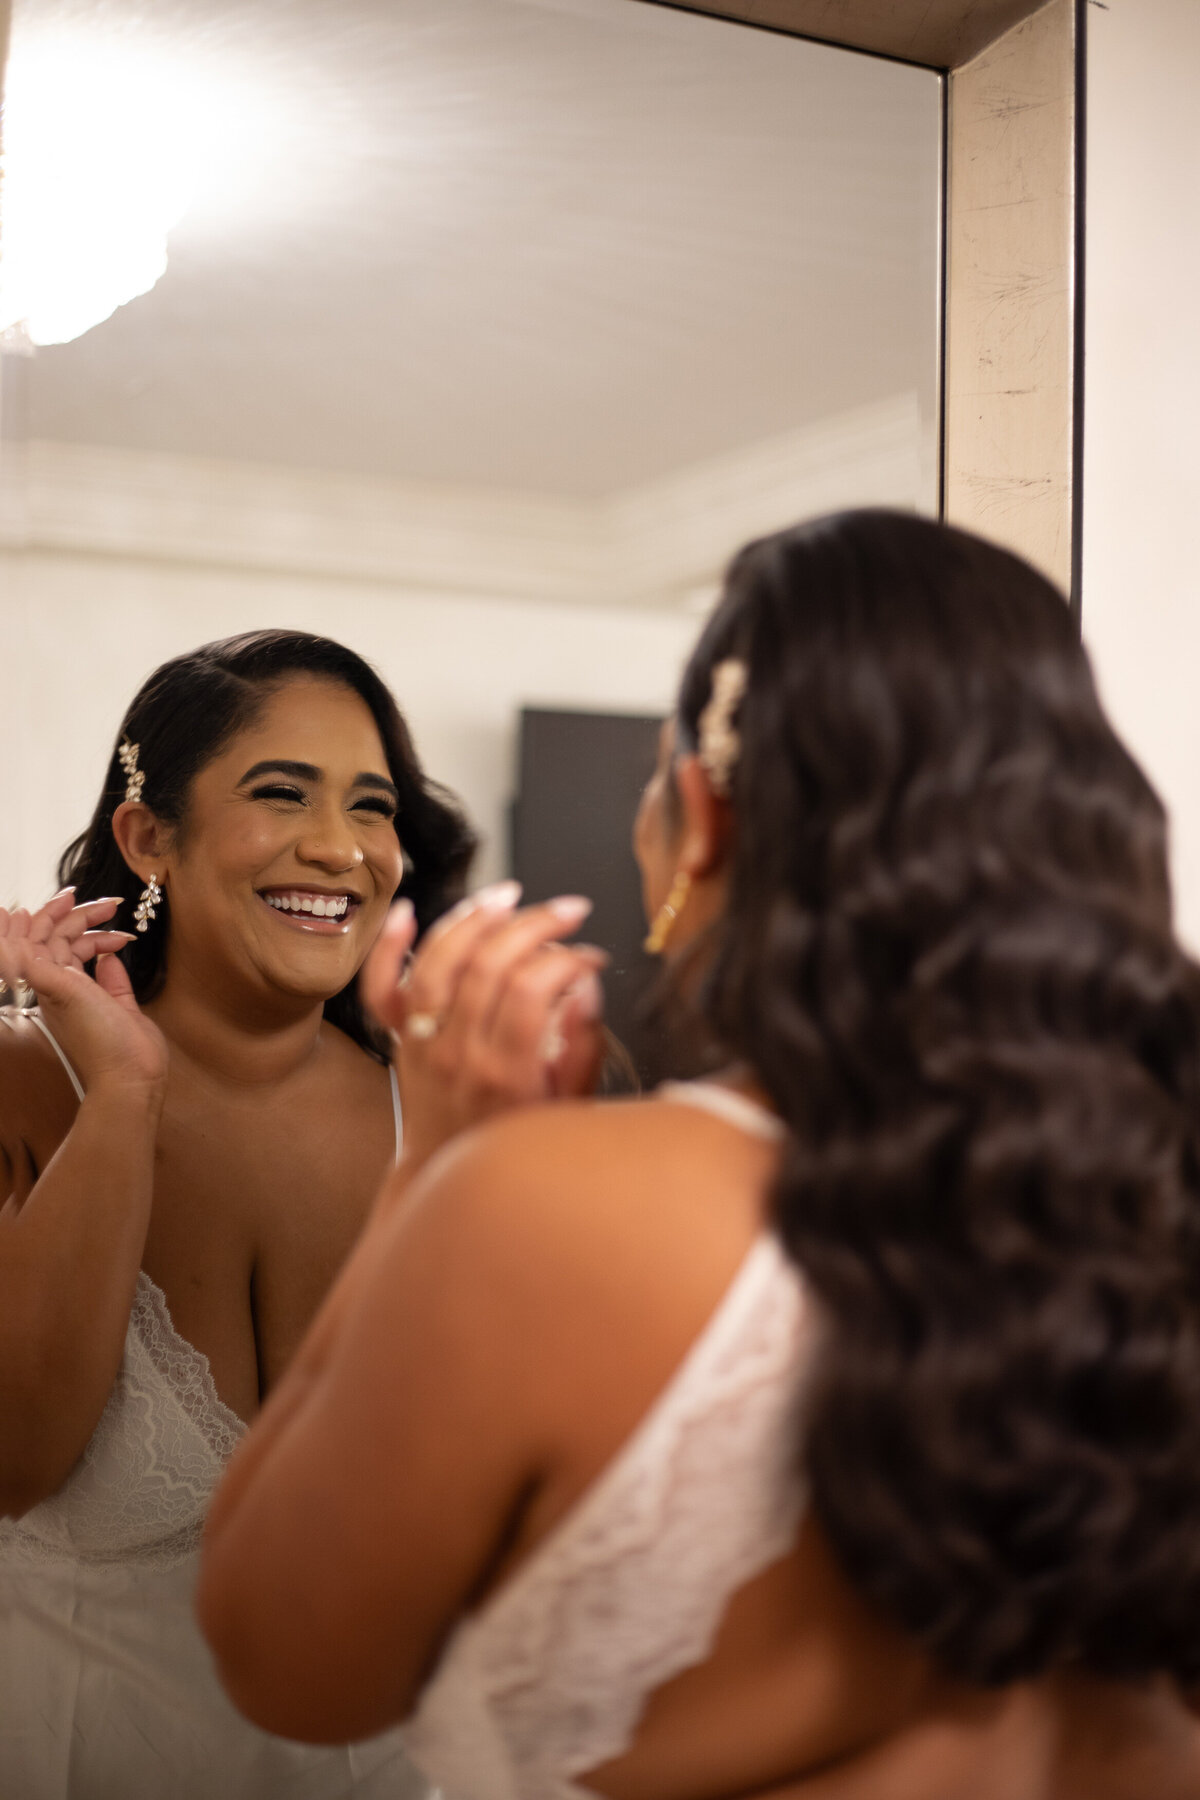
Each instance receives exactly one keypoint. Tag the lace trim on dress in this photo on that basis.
(140, 1490)
(631, 1587)
(186, 1369)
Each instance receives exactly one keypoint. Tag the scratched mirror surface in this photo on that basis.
(487, 331)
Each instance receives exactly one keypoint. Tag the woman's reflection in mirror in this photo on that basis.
(189, 1145)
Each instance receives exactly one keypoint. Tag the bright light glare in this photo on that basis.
(106, 146)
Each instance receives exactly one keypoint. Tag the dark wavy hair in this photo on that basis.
(185, 714)
(948, 955)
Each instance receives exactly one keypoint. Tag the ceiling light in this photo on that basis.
(106, 145)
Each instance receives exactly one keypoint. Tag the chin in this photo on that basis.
(309, 978)
(311, 967)
(312, 987)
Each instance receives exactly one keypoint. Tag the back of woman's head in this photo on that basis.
(947, 953)
(185, 714)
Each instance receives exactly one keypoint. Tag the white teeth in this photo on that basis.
(333, 907)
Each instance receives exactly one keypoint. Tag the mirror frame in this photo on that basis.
(1012, 276)
(1012, 265)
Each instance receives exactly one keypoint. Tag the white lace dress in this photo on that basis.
(107, 1690)
(549, 1678)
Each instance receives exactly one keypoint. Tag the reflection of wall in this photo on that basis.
(88, 630)
(1141, 574)
(643, 546)
(472, 606)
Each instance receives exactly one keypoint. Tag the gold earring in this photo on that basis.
(655, 941)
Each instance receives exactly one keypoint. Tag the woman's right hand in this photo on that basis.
(103, 1032)
(493, 1013)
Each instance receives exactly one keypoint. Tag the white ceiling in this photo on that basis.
(560, 246)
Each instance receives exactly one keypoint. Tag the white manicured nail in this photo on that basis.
(502, 896)
(572, 909)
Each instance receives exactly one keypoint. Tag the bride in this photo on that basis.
(189, 1144)
(827, 1429)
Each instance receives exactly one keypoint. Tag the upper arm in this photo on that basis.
(30, 1105)
(10, 1083)
(35, 1116)
(387, 1494)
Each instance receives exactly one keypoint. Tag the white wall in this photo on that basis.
(79, 634)
(1141, 540)
(471, 604)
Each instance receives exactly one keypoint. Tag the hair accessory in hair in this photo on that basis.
(135, 778)
(719, 741)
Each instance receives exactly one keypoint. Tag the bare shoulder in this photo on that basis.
(602, 1157)
(606, 1205)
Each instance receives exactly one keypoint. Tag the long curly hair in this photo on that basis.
(948, 955)
(183, 716)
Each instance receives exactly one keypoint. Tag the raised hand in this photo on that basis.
(492, 1012)
(67, 934)
(99, 1024)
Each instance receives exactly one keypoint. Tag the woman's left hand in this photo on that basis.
(492, 1012)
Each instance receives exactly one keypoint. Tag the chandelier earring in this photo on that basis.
(663, 923)
(148, 901)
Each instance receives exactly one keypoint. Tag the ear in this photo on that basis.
(706, 821)
(143, 840)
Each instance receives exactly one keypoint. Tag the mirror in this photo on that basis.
(490, 329)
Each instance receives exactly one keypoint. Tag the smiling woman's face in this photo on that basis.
(288, 857)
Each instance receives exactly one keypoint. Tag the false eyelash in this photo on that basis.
(276, 790)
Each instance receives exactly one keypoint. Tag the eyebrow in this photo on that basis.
(310, 772)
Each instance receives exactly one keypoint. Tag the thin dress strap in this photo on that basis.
(397, 1116)
(35, 1018)
(725, 1103)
